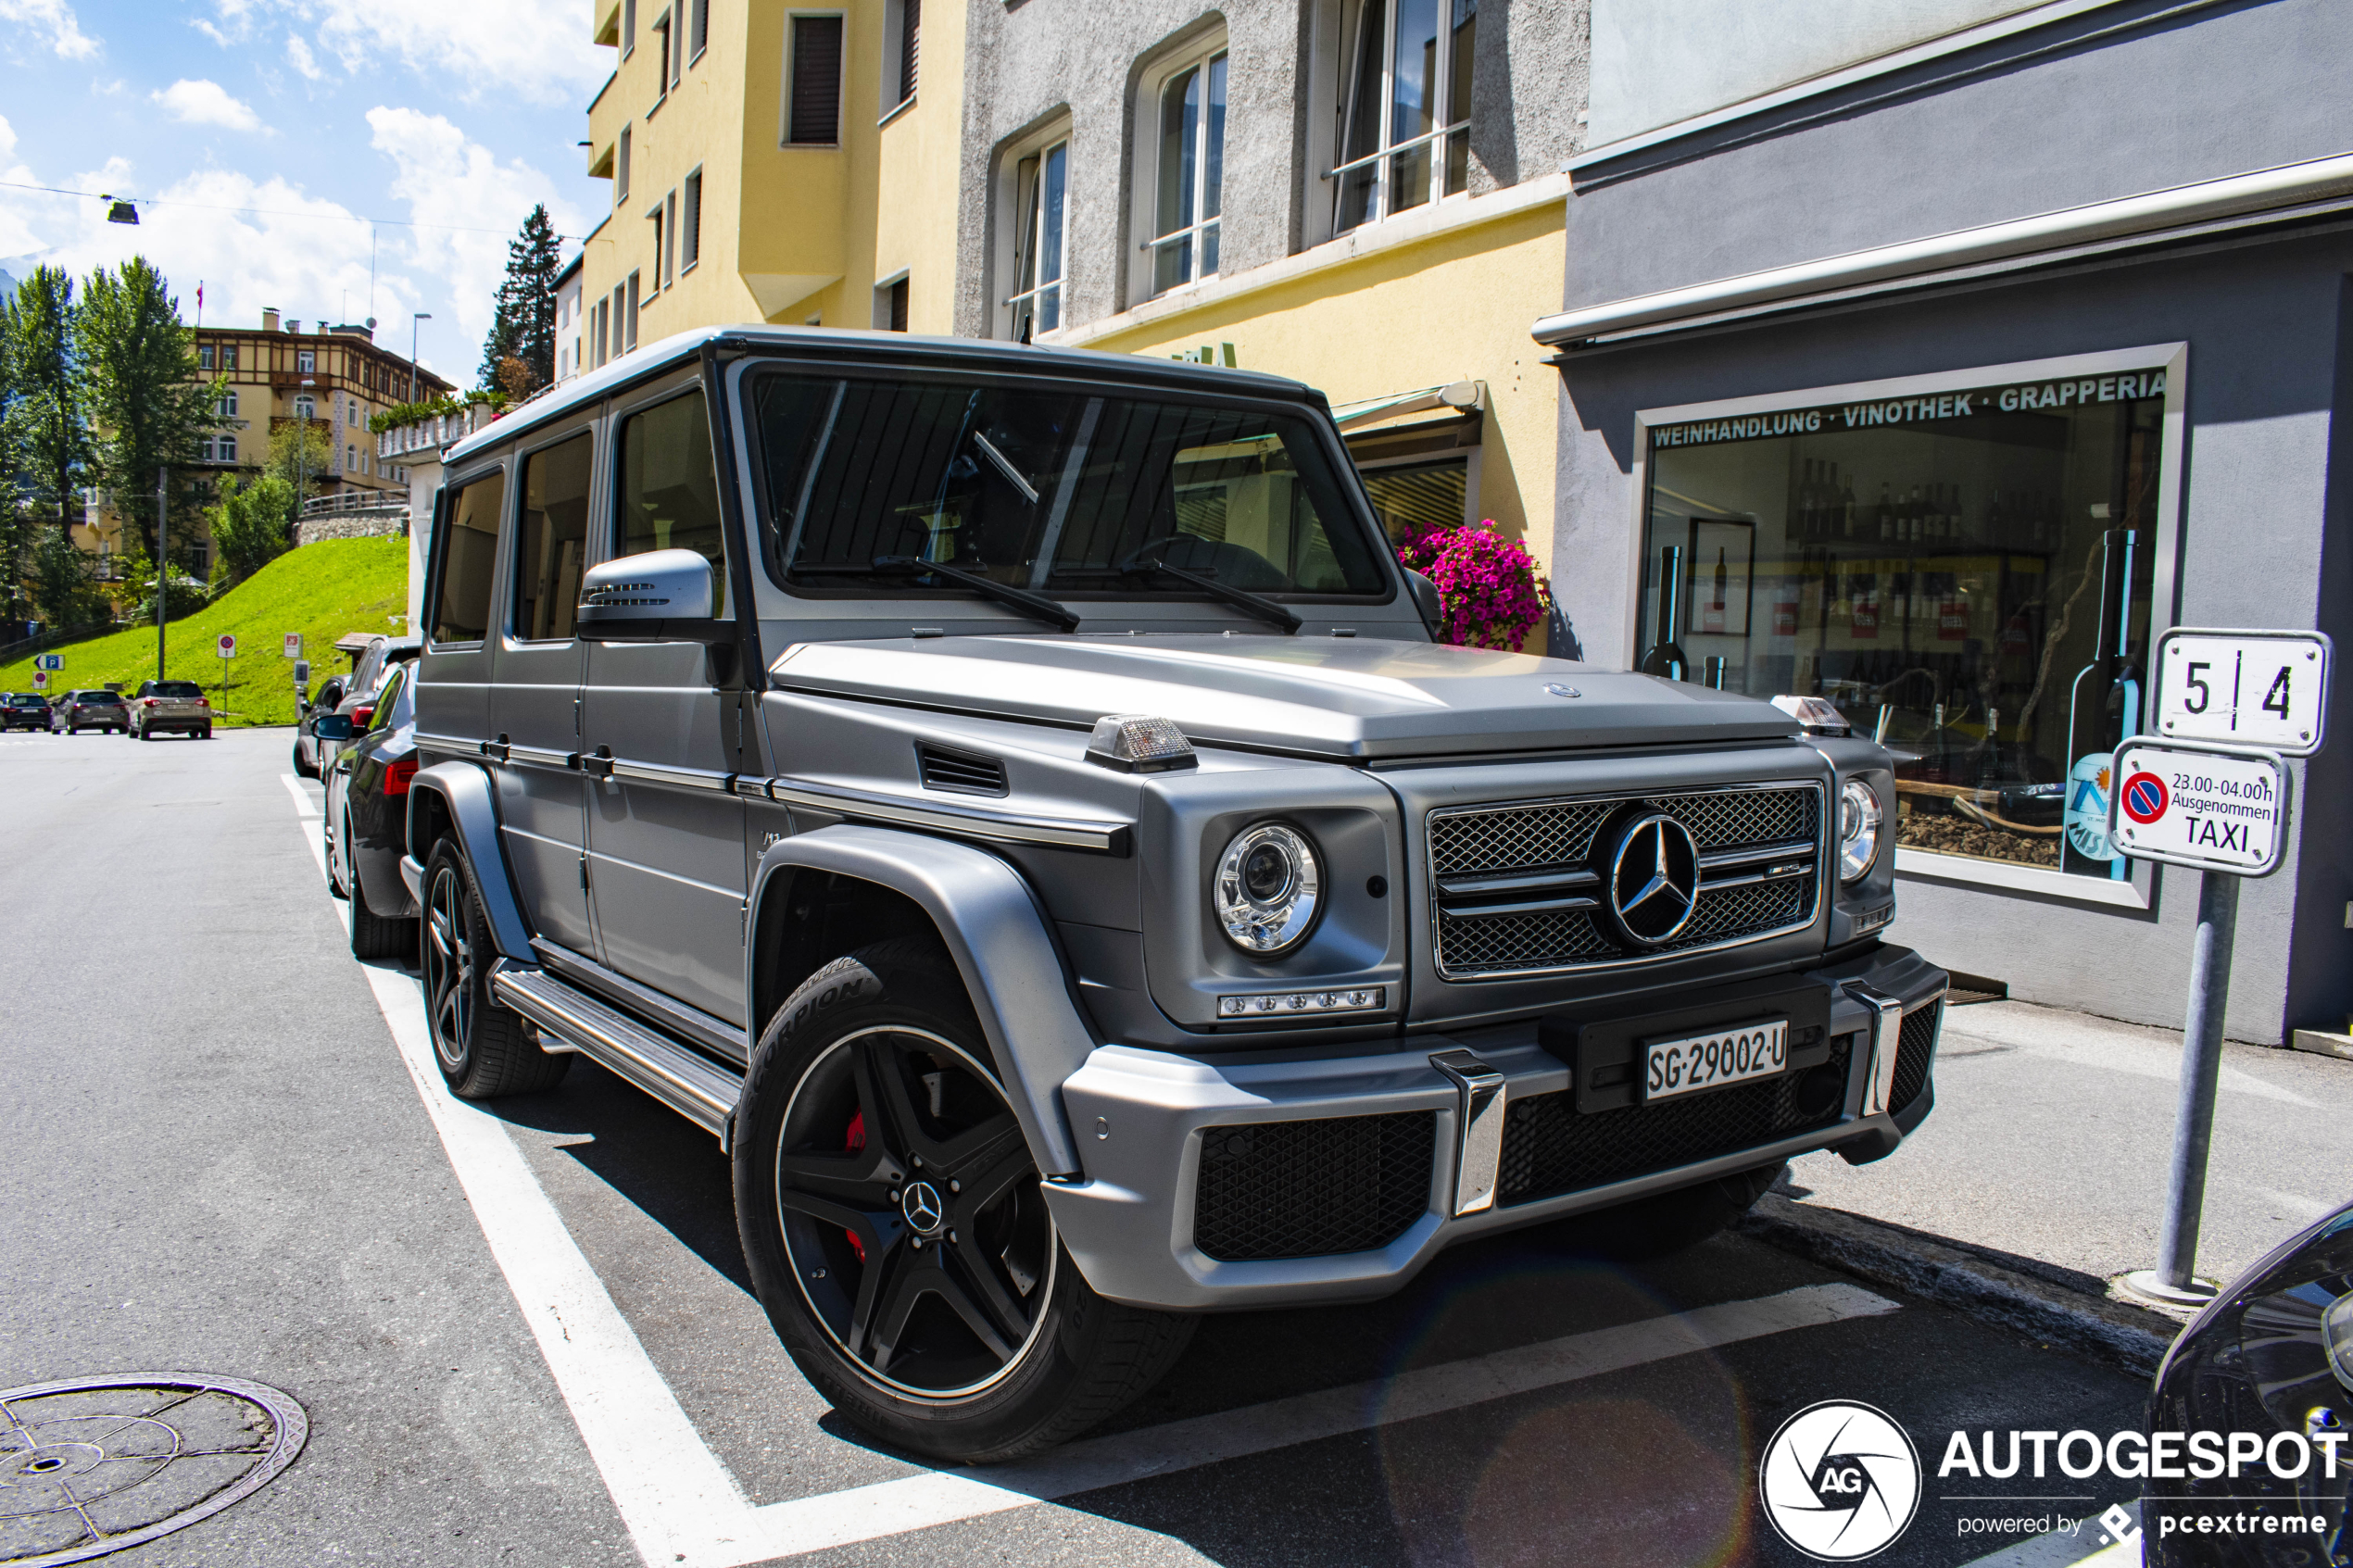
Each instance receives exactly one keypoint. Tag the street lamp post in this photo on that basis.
(414, 318)
(163, 560)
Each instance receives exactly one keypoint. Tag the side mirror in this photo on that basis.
(1426, 599)
(660, 596)
(331, 726)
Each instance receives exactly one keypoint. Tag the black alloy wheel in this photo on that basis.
(896, 1229)
(481, 1048)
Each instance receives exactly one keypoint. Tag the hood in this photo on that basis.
(1349, 698)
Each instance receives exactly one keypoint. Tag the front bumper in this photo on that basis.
(1144, 1119)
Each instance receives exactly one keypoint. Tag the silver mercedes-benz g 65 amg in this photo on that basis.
(1011, 799)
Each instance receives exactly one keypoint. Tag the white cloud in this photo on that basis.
(537, 50)
(467, 205)
(206, 103)
(55, 18)
(304, 60)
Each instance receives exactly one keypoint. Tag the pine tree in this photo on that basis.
(143, 395)
(52, 433)
(524, 325)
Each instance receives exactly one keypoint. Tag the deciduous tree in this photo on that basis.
(148, 400)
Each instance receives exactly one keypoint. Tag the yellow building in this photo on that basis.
(773, 165)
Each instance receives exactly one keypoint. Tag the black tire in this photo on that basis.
(973, 1339)
(1672, 1222)
(374, 935)
(207, 735)
(333, 858)
(302, 769)
(481, 1048)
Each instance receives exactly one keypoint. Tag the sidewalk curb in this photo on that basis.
(2105, 1330)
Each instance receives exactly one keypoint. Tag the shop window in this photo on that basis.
(552, 538)
(1404, 103)
(1187, 176)
(1965, 571)
(1412, 499)
(1040, 210)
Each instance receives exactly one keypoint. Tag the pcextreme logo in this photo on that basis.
(1840, 1481)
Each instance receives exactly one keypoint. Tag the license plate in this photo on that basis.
(1708, 1062)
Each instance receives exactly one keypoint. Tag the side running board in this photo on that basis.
(696, 1088)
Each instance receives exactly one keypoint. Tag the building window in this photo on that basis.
(604, 330)
(903, 25)
(306, 361)
(1189, 142)
(697, 29)
(226, 408)
(628, 28)
(228, 356)
(1965, 566)
(812, 106)
(630, 314)
(204, 357)
(304, 408)
(669, 232)
(621, 171)
(1041, 219)
(690, 225)
(1405, 107)
(665, 62)
(654, 216)
(224, 447)
(890, 312)
(351, 459)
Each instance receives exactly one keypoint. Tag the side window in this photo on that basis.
(462, 611)
(669, 496)
(551, 538)
(386, 697)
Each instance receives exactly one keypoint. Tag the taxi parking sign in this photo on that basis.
(2219, 809)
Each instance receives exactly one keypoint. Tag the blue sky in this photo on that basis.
(276, 147)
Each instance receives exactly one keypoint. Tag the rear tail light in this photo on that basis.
(147, 702)
(202, 703)
(397, 774)
(361, 714)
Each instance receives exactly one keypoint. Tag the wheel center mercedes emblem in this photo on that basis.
(1653, 879)
(1557, 689)
(920, 1202)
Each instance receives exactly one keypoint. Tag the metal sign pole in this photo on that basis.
(2218, 914)
(163, 561)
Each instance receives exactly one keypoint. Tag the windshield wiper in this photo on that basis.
(1258, 605)
(1036, 605)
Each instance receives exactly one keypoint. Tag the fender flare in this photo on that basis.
(1002, 944)
(467, 791)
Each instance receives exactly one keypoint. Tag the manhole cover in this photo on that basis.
(94, 1465)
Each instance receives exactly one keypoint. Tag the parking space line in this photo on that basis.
(683, 1506)
(304, 807)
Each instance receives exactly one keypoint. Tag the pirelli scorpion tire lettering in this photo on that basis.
(890, 1214)
(482, 1047)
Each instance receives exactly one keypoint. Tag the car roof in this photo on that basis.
(899, 349)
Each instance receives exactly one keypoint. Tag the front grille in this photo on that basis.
(1558, 836)
(1309, 1189)
(1549, 1148)
(1915, 1046)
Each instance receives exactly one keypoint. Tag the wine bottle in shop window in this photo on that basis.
(1847, 509)
(1886, 512)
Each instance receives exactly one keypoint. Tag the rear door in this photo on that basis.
(535, 707)
(665, 833)
(453, 694)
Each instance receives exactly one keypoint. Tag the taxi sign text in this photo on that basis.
(2209, 806)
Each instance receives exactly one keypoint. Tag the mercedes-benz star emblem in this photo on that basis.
(1654, 879)
(919, 1203)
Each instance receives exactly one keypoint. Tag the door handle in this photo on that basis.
(598, 764)
(496, 749)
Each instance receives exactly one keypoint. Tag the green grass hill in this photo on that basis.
(322, 590)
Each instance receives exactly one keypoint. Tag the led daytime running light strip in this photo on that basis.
(1296, 1004)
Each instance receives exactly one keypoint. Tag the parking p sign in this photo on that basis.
(2216, 808)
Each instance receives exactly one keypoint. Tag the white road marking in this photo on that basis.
(304, 807)
(684, 1507)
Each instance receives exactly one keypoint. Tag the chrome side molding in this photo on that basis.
(1478, 1151)
(1887, 1029)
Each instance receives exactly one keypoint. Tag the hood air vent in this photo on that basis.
(959, 773)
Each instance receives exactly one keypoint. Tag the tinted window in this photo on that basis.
(669, 497)
(387, 698)
(468, 552)
(178, 688)
(1048, 488)
(552, 538)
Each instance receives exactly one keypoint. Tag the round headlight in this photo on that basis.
(1858, 818)
(1266, 889)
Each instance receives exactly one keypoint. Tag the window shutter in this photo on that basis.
(700, 38)
(898, 306)
(816, 81)
(911, 29)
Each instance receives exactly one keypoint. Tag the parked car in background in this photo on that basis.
(2269, 1360)
(354, 698)
(162, 707)
(24, 710)
(307, 752)
(366, 817)
(77, 712)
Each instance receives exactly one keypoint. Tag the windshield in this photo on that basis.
(25, 699)
(1045, 488)
(178, 688)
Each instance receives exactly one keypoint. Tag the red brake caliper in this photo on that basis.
(854, 1140)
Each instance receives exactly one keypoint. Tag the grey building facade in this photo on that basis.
(1935, 360)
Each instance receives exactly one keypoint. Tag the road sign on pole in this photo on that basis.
(2242, 688)
(2187, 796)
(293, 644)
(48, 661)
(41, 679)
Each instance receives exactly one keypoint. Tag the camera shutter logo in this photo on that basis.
(1840, 1481)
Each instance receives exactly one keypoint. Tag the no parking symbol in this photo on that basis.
(2145, 797)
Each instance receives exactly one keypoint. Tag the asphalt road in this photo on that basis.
(524, 1336)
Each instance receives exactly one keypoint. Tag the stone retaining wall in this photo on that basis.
(350, 526)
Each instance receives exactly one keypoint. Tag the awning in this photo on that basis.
(1455, 398)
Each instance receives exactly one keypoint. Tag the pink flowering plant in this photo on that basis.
(1489, 590)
